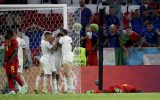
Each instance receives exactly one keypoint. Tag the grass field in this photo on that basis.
(125, 96)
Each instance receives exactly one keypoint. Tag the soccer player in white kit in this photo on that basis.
(45, 62)
(67, 58)
(56, 62)
(21, 57)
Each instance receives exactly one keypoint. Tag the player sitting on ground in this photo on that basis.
(11, 61)
(67, 58)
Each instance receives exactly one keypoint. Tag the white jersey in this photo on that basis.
(46, 56)
(46, 49)
(67, 54)
(56, 58)
(21, 46)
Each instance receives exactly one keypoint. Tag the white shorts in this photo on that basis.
(56, 63)
(67, 62)
(20, 66)
(46, 65)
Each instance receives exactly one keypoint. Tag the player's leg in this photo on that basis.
(67, 71)
(54, 83)
(46, 65)
(38, 79)
(45, 83)
(20, 69)
(9, 77)
(16, 77)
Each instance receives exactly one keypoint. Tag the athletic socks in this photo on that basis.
(69, 82)
(45, 81)
(37, 82)
(54, 84)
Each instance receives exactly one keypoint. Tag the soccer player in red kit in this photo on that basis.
(11, 61)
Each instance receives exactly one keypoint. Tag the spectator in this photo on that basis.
(111, 19)
(129, 40)
(114, 42)
(137, 22)
(75, 34)
(34, 32)
(92, 44)
(149, 35)
(86, 15)
(156, 21)
(113, 37)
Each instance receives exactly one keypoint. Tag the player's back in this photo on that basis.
(67, 53)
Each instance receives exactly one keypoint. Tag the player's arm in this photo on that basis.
(24, 55)
(24, 52)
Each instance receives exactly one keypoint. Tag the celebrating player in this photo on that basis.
(46, 48)
(11, 61)
(56, 62)
(67, 58)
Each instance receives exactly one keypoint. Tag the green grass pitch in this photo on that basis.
(109, 96)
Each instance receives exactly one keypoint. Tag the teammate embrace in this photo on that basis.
(56, 52)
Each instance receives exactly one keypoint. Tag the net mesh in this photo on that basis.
(31, 22)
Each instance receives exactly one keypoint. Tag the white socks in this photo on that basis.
(69, 82)
(45, 81)
(54, 84)
(37, 82)
(24, 80)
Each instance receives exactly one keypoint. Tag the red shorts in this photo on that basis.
(11, 68)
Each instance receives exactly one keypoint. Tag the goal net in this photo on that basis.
(31, 21)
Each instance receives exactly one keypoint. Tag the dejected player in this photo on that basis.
(11, 61)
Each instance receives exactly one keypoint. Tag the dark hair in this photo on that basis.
(149, 23)
(47, 33)
(60, 34)
(9, 32)
(64, 31)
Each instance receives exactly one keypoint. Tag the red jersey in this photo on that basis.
(10, 46)
(123, 88)
(134, 37)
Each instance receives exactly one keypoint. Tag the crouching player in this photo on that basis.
(45, 63)
(11, 61)
(67, 58)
